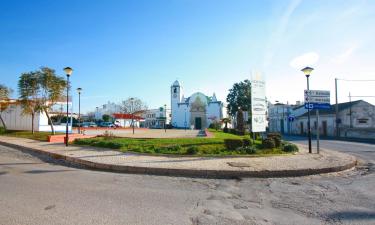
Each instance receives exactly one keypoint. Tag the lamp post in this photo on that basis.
(185, 120)
(68, 72)
(307, 72)
(79, 109)
(132, 110)
(165, 120)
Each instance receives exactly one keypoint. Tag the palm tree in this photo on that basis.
(5, 93)
(226, 121)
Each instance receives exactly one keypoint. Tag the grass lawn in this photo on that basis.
(201, 146)
(40, 136)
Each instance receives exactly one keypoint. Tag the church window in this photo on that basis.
(175, 90)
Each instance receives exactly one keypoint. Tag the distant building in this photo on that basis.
(127, 120)
(156, 118)
(16, 120)
(197, 111)
(356, 120)
(107, 109)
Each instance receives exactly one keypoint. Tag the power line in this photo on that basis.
(356, 80)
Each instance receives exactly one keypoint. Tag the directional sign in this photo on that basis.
(317, 106)
(317, 93)
(317, 96)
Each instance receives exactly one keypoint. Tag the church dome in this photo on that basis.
(176, 84)
(198, 95)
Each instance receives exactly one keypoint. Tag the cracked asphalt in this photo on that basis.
(36, 190)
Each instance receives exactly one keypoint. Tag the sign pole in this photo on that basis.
(317, 131)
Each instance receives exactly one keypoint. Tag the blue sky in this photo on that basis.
(138, 48)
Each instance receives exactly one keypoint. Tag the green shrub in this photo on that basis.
(250, 150)
(232, 144)
(192, 150)
(172, 148)
(274, 134)
(268, 143)
(225, 130)
(109, 144)
(290, 148)
(240, 132)
(277, 141)
(247, 142)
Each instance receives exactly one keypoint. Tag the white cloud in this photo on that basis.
(307, 59)
(344, 56)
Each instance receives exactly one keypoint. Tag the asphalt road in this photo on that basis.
(37, 191)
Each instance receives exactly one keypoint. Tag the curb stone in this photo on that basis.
(214, 174)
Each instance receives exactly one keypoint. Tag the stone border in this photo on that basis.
(218, 174)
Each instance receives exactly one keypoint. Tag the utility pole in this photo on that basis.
(337, 110)
(317, 130)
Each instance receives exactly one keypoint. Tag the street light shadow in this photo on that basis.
(353, 215)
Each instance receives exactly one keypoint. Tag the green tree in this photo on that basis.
(51, 90)
(239, 97)
(5, 93)
(106, 118)
(39, 91)
(28, 88)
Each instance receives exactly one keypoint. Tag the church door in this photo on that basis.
(198, 123)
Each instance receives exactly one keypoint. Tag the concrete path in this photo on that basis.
(299, 164)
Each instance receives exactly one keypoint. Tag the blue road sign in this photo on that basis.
(317, 105)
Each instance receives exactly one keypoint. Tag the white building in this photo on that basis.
(107, 109)
(197, 111)
(14, 119)
(156, 118)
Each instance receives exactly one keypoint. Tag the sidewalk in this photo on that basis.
(299, 164)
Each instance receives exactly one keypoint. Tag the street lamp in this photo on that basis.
(68, 72)
(79, 109)
(132, 110)
(165, 120)
(307, 72)
(185, 120)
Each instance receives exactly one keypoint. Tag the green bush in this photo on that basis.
(109, 144)
(172, 148)
(268, 143)
(274, 134)
(250, 149)
(225, 130)
(232, 144)
(290, 148)
(247, 142)
(192, 150)
(277, 141)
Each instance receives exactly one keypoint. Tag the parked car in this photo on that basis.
(107, 124)
(89, 124)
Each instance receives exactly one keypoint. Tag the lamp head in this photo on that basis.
(307, 71)
(79, 90)
(68, 71)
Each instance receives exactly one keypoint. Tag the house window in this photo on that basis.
(362, 121)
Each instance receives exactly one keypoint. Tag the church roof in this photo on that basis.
(176, 84)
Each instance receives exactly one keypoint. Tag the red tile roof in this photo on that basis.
(126, 116)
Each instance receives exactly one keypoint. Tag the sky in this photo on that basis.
(138, 48)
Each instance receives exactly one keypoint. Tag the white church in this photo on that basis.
(195, 112)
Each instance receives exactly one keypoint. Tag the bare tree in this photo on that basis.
(133, 105)
(5, 93)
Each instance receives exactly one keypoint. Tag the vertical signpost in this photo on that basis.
(258, 103)
(317, 99)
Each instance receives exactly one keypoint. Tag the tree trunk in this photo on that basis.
(2, 121)
(32, 122)
(50, 121)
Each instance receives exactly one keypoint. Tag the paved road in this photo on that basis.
(33, 191)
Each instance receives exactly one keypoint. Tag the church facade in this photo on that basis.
(195, 112)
